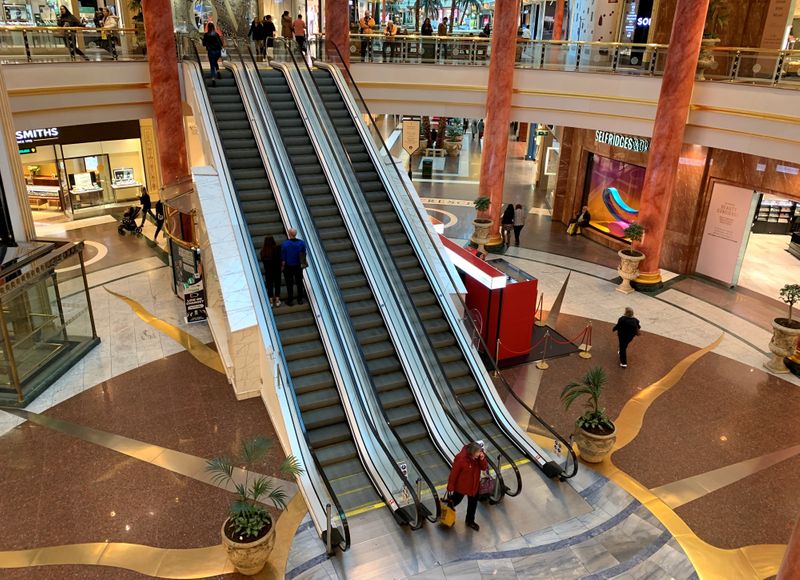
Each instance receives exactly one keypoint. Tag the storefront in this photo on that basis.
(45, 12)
(82, 170)
(732, 217)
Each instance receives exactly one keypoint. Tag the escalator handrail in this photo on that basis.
(281, 365)
(336, 292)
(495, 367)
(433, 376)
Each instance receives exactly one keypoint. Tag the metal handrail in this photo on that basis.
(370, 382)
(435, 378)
(493, 362)
(284, 375)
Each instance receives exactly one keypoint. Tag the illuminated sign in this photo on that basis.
(35, 135)
(637, 144)
(644, 21)
(26, 150)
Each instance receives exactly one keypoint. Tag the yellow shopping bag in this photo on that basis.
(448, 518)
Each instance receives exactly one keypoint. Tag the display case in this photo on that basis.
(775, 216)
(125, 185)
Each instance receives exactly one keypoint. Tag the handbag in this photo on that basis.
(571, 228)
(448, 517)
(223, 54)
(486, 485)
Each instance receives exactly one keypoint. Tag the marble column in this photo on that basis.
(337, 30)
(165, 86)
(498, 110)
(790, 567)
(668, 130)
(558, 20)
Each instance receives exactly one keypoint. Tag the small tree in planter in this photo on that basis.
(784, 332)
(629, 258)
(249, 534)
(596, 433)
(482, 222)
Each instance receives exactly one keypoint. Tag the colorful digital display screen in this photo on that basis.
(613, 194)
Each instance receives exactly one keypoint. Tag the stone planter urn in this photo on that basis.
(423, 144)
(783, 344)
(706, 59)
(249, 558)
(481, 234)
(594, 448)
(453, 148)
(628, 269)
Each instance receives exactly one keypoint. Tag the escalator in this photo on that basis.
(439, 334)
(322, 412)
(373, 337)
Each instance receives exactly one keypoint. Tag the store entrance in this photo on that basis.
(772, 257)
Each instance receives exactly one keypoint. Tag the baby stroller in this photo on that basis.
(128, 223)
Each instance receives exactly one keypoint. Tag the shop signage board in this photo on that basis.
(410, 136)
(188, 281)
(725, 235)
(628, 142)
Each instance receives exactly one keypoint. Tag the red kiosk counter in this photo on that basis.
(501, 299)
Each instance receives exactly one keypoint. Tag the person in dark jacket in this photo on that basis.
(292, 256)
(286, 25)
(269, 35)
(271, 260)
(256, 34)
(507, 221)
(160, 216)
(441, 30)
(67, 19)
(146, 204)
(581, 221)
(213, 43)
(627, 328)
(465, 478)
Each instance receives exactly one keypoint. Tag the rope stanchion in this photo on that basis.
(572, 341)
(542, 364)
(539, 320)
(586, 346)
(516, 352)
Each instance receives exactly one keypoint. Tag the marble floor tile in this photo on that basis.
(469, 570)
(594, 556)
(497, 569)
(560, 564)
(435, 573)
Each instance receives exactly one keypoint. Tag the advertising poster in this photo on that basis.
(614, 192)
(726, 231)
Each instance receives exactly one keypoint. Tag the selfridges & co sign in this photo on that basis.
(637, 144)
(37, 135)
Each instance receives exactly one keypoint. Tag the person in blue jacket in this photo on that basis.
(293, 260)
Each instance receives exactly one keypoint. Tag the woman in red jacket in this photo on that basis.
(465, 479)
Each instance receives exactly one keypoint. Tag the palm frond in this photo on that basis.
(278, 498)
(255, 450)
(291, 466)
(241, 490)
(221, 470)
(261, 486)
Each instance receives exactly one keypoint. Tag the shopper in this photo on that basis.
(580, 221)
(67, 19)
(108, 38)
(389, 41)
(519, 221)
(159, 217)
(293, 257)
(627, 328)
(507, 221)
(365, 26)
(465, 477)
(269, 35)
(299, 30)
(271, 260)
(213, 43)
(144, 201)
(442, 31)
(286, 25)
(257, 36)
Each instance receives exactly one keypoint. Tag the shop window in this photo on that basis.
(613, 193)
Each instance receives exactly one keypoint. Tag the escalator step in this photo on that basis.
(403, 415)
(325, 438)
(308, 366)
(412, 431)
(304, 350)
(322, 417)
(313, 382)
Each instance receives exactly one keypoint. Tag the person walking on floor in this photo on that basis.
(581, 221)
(144, 201)
(159, 217)
(271, 260)
(365, 25)
(67, 19)
(441, 30)
(213, 43)
(256, 34)
(269, 35)
(627, 328)
(507, 221)
(286, 26)
(299, 30)
(465, 477)
(519, 221)
(293, 256)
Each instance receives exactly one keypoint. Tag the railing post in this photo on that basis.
(541, 55)
(329, 530)
(27, 45)
(651, 69)
(615, 59)
(9, 350)
(776, 78)
(737, 62)
(578, 58)
(112, 42)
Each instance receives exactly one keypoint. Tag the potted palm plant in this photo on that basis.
(248, 533)
(482, 222)
(784, 332)
(453, 136)
(629, 258)
(595, 433)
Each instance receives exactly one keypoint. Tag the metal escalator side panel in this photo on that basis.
(370, 449)
(488, 391)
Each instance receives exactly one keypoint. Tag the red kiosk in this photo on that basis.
(501, 299)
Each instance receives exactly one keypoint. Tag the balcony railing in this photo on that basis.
(741, 65)
(20, 44)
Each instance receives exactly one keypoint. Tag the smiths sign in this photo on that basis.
(636, 144)
(37, 135)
